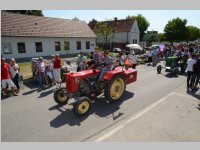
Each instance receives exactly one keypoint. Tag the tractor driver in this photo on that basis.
(107, 62)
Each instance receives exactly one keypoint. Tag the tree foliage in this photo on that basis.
(105, 30)
(176, 30)
(193, 33)
(143, 24)
(162, 37)
(26, 12)
(92, 23)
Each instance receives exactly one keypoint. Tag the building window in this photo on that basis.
(6, 47)
(87, 44)
(134, 41)
(57, 46)
(78, 45)
(21, 47)
(66, 45)
(38, 46)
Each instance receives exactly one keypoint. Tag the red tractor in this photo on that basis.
(83, 87)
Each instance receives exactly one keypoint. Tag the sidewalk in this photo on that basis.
(174, 118)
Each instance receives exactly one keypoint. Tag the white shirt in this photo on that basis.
(190, 64)
(51, 65)
(149, 54)
(122, 59)
(14, 70)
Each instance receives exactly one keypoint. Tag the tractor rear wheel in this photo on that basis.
(83, 106)
(115, 88)
(60, 96)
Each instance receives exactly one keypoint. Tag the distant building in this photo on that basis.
(24, 36)
(126, 32)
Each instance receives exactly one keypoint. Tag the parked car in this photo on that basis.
(117, 50)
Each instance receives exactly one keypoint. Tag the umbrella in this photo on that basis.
(134, 46)
(155, 46)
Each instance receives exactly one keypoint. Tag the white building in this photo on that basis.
(24, 36)
(126, 32)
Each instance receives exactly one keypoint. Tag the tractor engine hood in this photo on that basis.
(74, 79)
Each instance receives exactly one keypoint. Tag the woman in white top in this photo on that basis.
(14, 70)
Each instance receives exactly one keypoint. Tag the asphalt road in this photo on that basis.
(34, 116)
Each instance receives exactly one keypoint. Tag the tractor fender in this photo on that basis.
(109, 75)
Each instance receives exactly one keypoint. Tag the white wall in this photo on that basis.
(134, 33)
(48, 45)
(120, 37)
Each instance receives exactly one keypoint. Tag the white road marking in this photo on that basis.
(141, 113)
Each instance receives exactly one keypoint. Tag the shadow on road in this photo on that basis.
(29, 92)
(194, 94)
(46, 93)
(100, 108)
(30, 83)
(198, 107)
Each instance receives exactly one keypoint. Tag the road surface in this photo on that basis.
(34, 116)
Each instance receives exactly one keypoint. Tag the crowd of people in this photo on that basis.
(51, 68)
(104, 62)
(189, 53)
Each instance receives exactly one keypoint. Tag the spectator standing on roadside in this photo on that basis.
(6, 78)
(196, 75)
(149, 54)
(41, 73)
(51, 67)
(14, 70)
(190, 63)
(154, 57)
(57, 66)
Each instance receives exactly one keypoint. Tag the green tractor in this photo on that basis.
(174, 65)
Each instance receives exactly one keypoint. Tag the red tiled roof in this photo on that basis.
(34, 26)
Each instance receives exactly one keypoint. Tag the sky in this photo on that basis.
(157, 18)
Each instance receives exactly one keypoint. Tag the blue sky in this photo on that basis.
(157, 18)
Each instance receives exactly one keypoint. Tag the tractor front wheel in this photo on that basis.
(60, 96)
(115, 88)
(82, 107)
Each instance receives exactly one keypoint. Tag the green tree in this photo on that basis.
(193, 33)
(153, 38)
(143, 24)
(92, 23)
(26, 12)
(105, 30)
(176, 30)
(162, 37)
